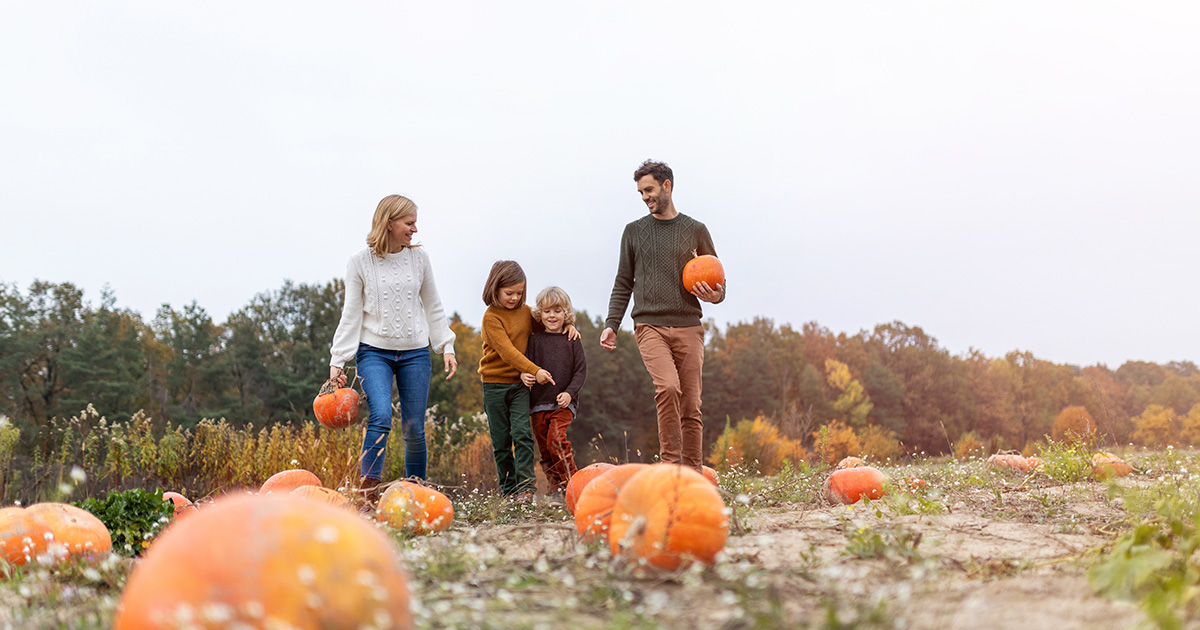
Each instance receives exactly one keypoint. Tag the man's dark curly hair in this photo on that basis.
(658, 170)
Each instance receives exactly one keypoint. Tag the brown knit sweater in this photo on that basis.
(505, 336)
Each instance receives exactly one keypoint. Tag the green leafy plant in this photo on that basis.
(133, 517)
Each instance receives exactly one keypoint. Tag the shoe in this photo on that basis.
(371, 489)
(557, 497)
(525, 496)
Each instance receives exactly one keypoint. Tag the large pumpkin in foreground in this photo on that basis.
(416, 508)
(593, 512)
(23, 535)
(849, 485)
(268, 562)
(580, 480)
(668, 515)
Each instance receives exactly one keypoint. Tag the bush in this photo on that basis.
(1074, 424)
(1156, 427)
(836, 441)
(755, 446)
(879, 443)
(133, 517)
(969, 445)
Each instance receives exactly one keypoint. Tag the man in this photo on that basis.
(666, 315)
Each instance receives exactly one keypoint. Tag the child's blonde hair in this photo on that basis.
(551, 297)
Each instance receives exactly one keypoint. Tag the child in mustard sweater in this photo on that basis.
(507, 325)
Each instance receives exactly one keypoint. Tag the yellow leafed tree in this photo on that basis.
(852, 404)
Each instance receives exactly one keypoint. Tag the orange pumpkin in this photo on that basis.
(916, 483)
(704, 268)
(710, 474)
(23, 535)
(850, 462)
(593, 511)
(1010, 460)
(1032, 463)
(668, 515)
(285, 481)
(268, 561)
(319, 493)
(183, 507)
(336, 407)
(78, 531)
(580, 480)
(412, 507)
(1107, 465)
(849, 485)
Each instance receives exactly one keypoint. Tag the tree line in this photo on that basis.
(264, 364)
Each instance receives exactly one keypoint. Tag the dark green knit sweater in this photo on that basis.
(653, 253)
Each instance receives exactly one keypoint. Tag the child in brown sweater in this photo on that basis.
(507, 325)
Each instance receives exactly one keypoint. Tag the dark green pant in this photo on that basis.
(507, 409)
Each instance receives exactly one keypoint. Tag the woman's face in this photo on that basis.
(513, 296)
(400, 231)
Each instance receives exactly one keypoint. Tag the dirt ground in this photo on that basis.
(1018, 560)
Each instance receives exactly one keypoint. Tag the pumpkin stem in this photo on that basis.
(695, 254)
(327, 388)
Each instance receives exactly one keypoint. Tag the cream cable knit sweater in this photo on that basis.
(391, 303)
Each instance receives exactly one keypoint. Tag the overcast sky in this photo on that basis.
(1016, 175)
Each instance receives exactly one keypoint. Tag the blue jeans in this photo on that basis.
(411, 370)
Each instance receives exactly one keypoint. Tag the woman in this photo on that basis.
(391, 316)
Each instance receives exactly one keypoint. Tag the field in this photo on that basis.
(976, 548)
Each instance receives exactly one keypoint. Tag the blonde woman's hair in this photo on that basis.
(551, 297)
(390, 208)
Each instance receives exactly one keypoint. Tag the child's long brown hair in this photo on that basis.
(504, 273)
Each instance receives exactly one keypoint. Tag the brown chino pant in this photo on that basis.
(675, 359)
(550, 431)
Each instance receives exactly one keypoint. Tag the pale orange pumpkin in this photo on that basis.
(710, 474)
(704, 268)
(183, 507)
(285, 481)
(80, 532)
(268, 561)
(413, 507)
(850, 462)
(1008, 460)
(322, 494)
(668, 515)
(849, 485)
(336, 407)
(23, 535)
(580, 480)
(1106, 465)
(593, 511)
(1032, 463)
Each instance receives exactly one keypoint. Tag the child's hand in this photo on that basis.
(572, 332)
(528, 379)
(563, 399)
(544, 377)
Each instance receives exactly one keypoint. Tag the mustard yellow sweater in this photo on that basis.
(505, 336)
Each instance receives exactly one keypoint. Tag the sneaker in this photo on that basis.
(371, 489)
(524, 496)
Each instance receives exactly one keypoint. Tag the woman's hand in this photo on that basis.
(337, 375)
(528, 379)
(544, 377)
(572, 332)
(451, 364)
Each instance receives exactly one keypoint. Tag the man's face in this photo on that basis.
(657, 197)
